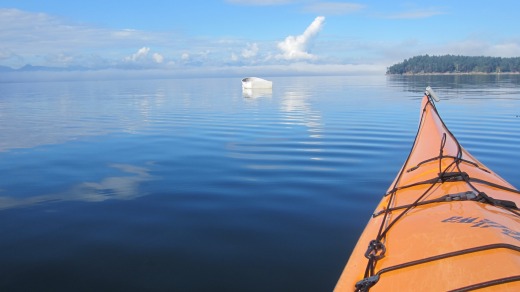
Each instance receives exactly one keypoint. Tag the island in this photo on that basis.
(455, 64)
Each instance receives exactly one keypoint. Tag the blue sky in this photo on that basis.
(269, 37)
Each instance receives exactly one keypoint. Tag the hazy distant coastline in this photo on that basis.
(456, 73)
(455, 65)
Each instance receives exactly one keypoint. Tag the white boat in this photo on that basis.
(255, 82)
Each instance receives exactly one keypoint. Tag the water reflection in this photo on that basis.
(302, 169)
(288, 127)
(122, 187)
(257, 92)
(54, 113)
(298, 110)
(498, 86)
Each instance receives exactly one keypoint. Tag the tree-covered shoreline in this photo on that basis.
(454, 64)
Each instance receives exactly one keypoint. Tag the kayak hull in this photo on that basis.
(433, 230)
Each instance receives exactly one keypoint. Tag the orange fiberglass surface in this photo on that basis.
(447, 223)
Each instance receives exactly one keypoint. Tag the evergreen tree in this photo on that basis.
(425, 64)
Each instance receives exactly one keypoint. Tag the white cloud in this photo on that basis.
(250, 51)
(142, 56)
(27, 28)
(296, 47)
(62, 43)
(8, 56)
(478, 47)
(416, 13)
(333, 7)
(158, 58)
(201, 58)
(60, 59)
(42, 39)
(508, 49)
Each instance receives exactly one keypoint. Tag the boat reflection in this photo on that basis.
(257, 92)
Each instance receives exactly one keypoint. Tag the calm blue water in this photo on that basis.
(194, 185)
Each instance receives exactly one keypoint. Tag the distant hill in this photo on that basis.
(31, 68)
(455, 64)
(6, 69)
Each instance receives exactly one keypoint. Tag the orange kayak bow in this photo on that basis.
(446, 223)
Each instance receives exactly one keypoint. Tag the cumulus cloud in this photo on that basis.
(158, 58)
(201, 58)
(141, 56)
(296, 47)
(57, 37)
(250, 51)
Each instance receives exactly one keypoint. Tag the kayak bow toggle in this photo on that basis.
(376, 250)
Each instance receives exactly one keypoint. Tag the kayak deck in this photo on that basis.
(446, 223)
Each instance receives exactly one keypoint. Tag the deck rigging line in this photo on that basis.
(376, 249)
